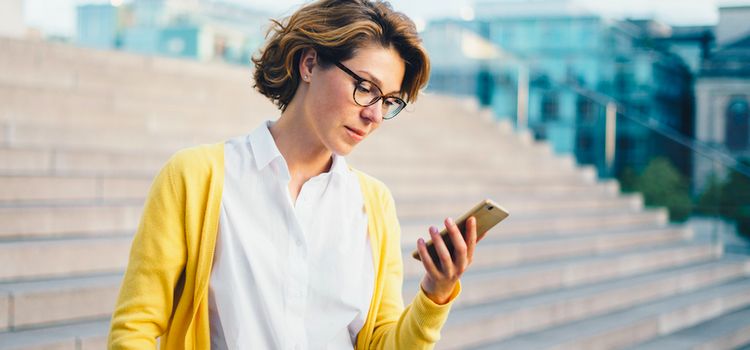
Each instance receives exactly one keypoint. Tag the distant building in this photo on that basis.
(733, 24)
(197, 29)
(569, 55)
(723, 96)
(11, 18)
(454, 63)
(97, 26)
(692, 43)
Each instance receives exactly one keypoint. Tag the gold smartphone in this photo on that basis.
(487, 213)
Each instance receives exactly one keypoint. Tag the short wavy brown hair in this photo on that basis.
(335, 29)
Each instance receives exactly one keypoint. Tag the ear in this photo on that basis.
(307, 62)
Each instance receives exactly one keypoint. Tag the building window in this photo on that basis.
(176, 46)
(550, 107)
(539, 131)
(585, 147)
(585, 141)
(585, 111)
(627, 148)
(220, 46)
(641, 109)
(737, 124)
(625, 143)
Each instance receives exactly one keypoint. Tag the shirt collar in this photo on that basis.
(265, 150)
(339, 166)
(263, 146)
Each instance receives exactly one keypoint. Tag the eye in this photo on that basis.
(364, 87)
(391, 102)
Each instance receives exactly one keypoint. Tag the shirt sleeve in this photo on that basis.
(418, 325)
(157, 259)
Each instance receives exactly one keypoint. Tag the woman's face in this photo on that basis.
(339, 122)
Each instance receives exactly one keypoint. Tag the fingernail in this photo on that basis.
(420, 241)
(433, 229)
(450, 221)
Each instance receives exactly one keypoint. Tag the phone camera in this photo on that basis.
(490, 207)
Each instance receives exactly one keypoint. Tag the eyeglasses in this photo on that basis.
(366, 93)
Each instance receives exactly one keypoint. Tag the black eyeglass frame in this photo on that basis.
(360, 80)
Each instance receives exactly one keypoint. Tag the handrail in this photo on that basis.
(524, 68)
(697, 146)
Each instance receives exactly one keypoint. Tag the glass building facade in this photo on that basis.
(97, 26)
(569, 61)
(194, 29)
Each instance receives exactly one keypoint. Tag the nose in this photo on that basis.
(374, 112)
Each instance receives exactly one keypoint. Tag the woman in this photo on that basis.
(270, 240)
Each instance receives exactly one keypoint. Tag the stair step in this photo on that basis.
(566, 225)
(511, 317)
(39, 303)
(64, 55)
(91, 335)
(418, 166)
(641, 322)
(122, 214)
(93, 191)
(20, 189)
(60, 221)
(105, 139)
(127, 98)
(56, 188)
(40, 162)
(52, 258)
(495, 283)
(426, 208)
(499, 191)
(23, 161)
(728, 331)
(503, 253)
(45, 301)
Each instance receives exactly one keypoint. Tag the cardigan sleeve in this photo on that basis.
(157, 259)
(418, 325)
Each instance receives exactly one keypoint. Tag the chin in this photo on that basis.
(342, 149)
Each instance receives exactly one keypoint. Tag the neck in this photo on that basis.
(305, 156)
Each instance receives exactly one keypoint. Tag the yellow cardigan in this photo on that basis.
(165, 288)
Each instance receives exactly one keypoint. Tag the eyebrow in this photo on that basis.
(377, 82)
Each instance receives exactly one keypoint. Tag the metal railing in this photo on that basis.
(718, 218)
(683, 156)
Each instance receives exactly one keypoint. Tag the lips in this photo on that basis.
(357, 131)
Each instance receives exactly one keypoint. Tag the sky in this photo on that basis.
(58, 16)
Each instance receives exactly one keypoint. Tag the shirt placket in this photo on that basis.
(298, 276)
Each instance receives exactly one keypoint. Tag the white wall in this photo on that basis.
(712, 99)
(734, 23)
(11, 18)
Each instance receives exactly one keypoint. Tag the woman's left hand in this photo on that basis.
(438, 284)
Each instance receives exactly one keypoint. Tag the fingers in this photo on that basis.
(471, 238)
(446, 262)
(450, 264)
(426, 259)
(459, 245)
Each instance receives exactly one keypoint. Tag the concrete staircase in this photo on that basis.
(577, 265)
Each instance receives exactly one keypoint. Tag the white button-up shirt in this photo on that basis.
(288, 275)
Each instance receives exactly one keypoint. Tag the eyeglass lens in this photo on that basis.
(366, 94)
